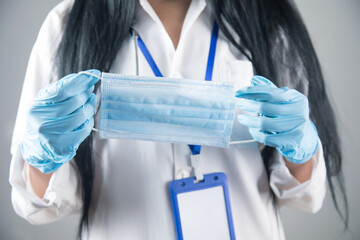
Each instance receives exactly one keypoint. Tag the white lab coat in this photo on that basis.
(131, 195)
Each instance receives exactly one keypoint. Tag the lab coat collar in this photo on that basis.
(195, 9)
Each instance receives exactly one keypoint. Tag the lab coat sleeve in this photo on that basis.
(307, 196)
(62, 195)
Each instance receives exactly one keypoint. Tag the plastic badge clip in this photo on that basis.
(196, 163)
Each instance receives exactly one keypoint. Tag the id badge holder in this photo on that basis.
(202, 209)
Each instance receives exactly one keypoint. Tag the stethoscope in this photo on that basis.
(135, 38)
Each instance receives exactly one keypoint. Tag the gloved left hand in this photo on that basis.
(281, 120)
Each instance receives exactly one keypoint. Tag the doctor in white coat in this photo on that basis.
(121, 186)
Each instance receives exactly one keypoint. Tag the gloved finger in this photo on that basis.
(261, 93)
(271, 125)
(270, 109)
(45, 110)
(258, 80)
(83, 131)
(263, 137)
(72, 121)
(68, 86)
(265, 93)
(280, 141)
(72, 139)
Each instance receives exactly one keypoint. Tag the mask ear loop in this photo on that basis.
(242, 141)
(97, 89)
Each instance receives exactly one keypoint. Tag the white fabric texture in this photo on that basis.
(131, 197)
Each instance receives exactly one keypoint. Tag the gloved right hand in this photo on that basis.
(60, 118)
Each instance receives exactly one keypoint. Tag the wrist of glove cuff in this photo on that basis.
(298, 154)
(45, 166)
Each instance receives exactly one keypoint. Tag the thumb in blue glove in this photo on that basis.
(60, 118)
(280, 119)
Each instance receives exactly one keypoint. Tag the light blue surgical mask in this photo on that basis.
(166, 110)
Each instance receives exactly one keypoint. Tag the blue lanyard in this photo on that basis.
(195, 149)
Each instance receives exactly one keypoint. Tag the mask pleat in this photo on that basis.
(172, 110)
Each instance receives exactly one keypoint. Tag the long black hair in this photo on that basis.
(270, 33)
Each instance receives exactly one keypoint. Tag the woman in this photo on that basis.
(121, 186)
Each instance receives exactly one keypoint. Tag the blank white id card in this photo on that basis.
(202, 210)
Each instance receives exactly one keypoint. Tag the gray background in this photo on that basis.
(334, 28)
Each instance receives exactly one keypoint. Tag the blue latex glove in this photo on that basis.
(281, 120)
(60, 118)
